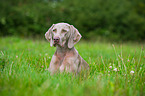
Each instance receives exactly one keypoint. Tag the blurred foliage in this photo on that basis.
(111, 19)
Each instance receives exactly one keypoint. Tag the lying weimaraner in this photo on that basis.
(66, 58)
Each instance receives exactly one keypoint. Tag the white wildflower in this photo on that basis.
(115, 69)
(131, 72)
(46, 69)
(46, 54)
(42, 66)
(110, 67)
(128, 60)
(16, 56)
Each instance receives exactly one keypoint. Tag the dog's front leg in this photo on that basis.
(69, 65)
(54, 64)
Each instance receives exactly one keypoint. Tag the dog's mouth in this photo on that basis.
(54, 44)
(59, 44)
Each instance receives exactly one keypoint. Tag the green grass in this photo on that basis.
(23, 64)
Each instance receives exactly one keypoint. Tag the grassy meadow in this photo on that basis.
(115, 69)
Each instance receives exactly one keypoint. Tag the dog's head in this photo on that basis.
(62, 34)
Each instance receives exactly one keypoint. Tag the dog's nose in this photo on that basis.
(56, 39)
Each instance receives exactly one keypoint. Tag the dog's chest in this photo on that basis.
(61, 57)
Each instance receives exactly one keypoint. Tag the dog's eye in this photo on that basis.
(54, 30)
(64, 31)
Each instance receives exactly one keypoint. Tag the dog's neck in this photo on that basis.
(61, 52)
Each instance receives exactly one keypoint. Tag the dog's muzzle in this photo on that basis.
(56, 40)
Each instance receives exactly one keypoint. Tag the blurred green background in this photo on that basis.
(119, 20)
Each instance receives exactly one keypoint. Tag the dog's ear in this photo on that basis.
(48, 35)
(74, 37)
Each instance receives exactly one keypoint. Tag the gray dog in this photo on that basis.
(66, 57)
